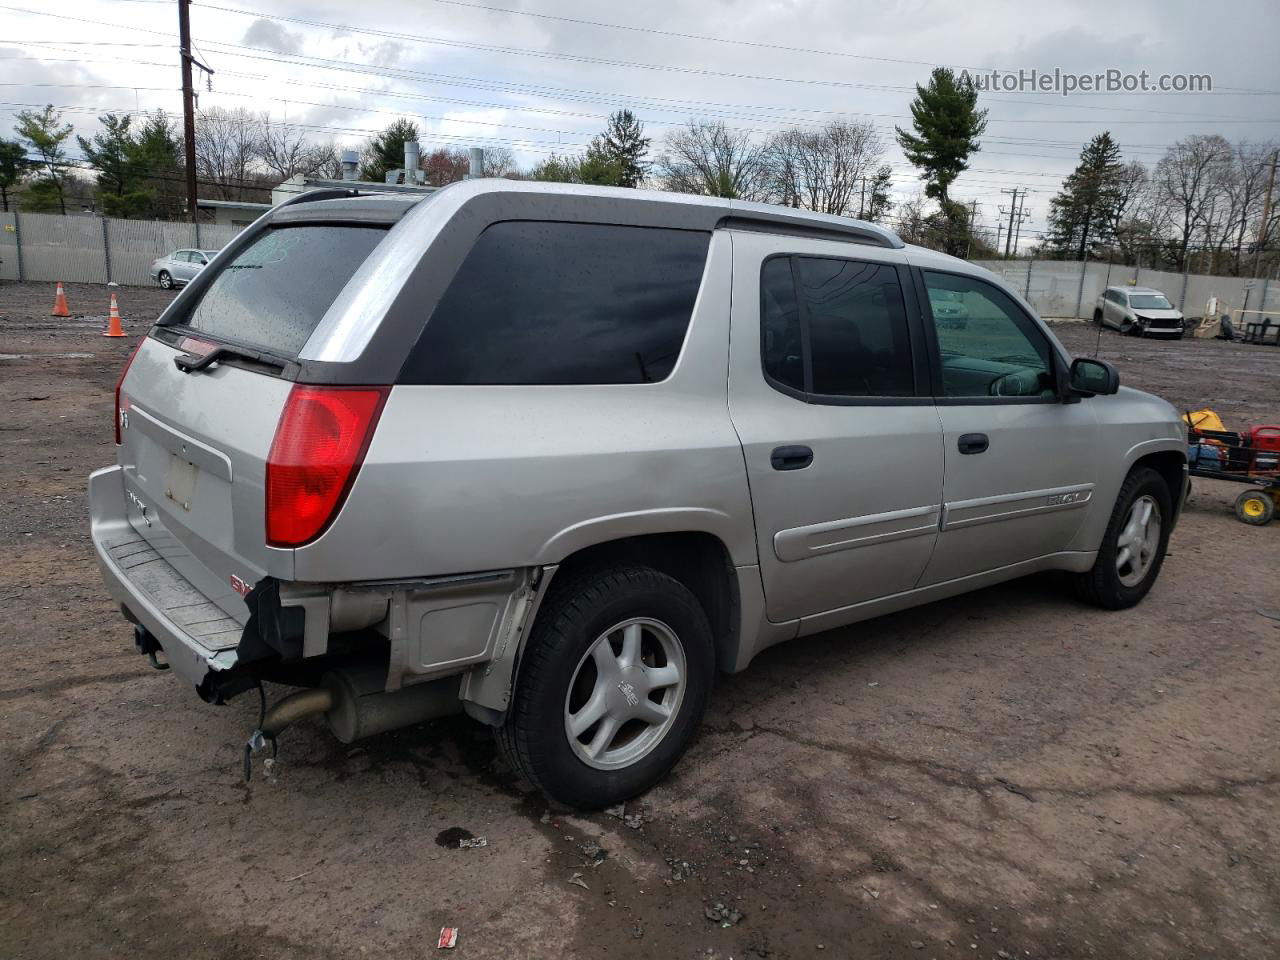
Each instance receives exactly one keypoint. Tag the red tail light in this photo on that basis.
(319, 445)
(121, 399)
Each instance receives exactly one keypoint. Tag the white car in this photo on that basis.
(178, 267)
(1138, 310)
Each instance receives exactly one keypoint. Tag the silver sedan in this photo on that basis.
(177, 268)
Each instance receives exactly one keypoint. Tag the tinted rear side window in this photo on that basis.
(560, 303)
(275, 291)
(835, 328)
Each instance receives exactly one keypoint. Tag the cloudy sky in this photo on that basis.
(540, 76)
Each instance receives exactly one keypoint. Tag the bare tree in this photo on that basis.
(1187, 183)
(828, 170)
(498, 162)
(445, 165)
(1133, 214)
(227, 148)
(914, 225)
(329, 161)
(285, 151)
(1243, 188)
(707, 158)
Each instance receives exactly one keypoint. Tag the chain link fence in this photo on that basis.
(76, 249)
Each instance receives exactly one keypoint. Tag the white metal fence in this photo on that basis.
(48, 246)
(1069, 288)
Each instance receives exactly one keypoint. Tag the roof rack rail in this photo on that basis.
(321, 193)
(805, 226)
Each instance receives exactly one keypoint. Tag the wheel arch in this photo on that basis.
(696, 558)
(1166, 455)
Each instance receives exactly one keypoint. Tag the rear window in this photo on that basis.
(563, 303)
(276, 290)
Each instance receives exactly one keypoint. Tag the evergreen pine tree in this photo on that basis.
(1085, 208)
(385, 150)
(624, 143)
(947, 125)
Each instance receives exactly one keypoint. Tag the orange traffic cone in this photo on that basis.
(113, 322)
(60, 303)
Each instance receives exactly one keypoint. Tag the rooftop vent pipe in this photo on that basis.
(350, 165)
(412, 166)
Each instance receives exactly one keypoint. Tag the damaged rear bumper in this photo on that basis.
(197, 636)
(429, 628)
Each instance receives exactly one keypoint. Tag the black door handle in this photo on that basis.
(791, 458)
(973, 442)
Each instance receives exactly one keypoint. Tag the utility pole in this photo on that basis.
(188, 103)
(999, 233)
(1022, 215)
(1266, 212)
(1013, 209)
(973, 213)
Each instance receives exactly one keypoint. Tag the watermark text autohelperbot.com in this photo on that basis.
(1107, 81)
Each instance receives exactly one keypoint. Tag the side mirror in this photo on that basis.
(1092, 377)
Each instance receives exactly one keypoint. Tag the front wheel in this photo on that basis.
(1134, 545)
(166, 281)
(1097, 317)
(612, 687)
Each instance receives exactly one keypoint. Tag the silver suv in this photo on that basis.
(555, 455)
(1141, 311)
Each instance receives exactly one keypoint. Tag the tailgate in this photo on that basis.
(194, 452)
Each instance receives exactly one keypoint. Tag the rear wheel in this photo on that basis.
(1255, 507)
(1134, 545)
(612, 688)
(166, 281)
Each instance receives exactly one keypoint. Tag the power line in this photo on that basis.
(493, 48)
(701, 71)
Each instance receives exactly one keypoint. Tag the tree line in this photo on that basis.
(1198, 208)
(1203, 199)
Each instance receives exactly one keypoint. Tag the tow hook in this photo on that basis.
(148, 645)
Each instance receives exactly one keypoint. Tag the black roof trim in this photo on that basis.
(798, 228)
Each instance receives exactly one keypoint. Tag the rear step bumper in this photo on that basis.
(196, 635)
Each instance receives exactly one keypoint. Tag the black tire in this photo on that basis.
(166, 281)
(1097, 317)
(1101, 585)
(1255, 508)
(578, 611)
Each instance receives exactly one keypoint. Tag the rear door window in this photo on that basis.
(539, 302)
(274, 292)
(835, 328)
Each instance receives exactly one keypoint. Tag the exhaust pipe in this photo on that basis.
(357, 705)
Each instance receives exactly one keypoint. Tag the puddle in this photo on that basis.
(452, 836)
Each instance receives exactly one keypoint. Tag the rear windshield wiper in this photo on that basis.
(195, 362)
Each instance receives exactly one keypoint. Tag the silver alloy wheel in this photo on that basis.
(1138, 541)
(625, 693)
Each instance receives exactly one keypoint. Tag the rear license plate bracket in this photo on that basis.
(180, 482)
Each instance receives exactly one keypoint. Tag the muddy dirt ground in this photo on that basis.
(1006, 774)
